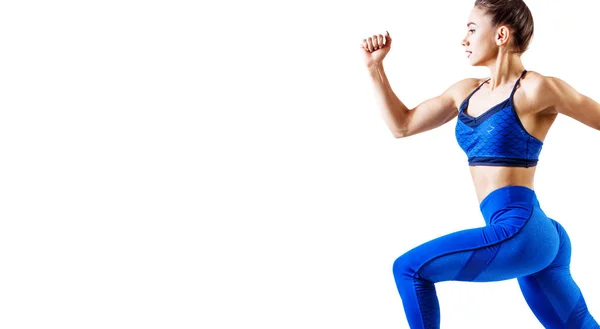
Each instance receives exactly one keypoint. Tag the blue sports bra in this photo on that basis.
(496, 137)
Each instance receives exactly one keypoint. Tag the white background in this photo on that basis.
(181, 164)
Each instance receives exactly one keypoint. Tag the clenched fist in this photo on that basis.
(375, 48)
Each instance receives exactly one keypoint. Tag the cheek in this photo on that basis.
(479, 40)
(484, 43)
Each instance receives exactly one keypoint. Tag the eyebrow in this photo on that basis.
(470, 24)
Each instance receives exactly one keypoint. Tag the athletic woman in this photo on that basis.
(501, 125)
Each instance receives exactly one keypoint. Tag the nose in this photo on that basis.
(465, 42)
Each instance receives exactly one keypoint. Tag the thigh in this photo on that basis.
(502, 251)
(456, 256)
(442, 258)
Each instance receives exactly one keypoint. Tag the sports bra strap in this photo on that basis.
(474, 91)
(481, 85)
(517, 83)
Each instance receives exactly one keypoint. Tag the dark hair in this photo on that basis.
(513, 13)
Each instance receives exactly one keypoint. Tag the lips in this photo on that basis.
(468, 54)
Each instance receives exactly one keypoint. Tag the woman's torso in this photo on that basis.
(536, 122)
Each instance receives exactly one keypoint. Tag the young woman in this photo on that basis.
(501, 125)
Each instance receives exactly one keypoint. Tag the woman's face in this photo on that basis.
(480, 42)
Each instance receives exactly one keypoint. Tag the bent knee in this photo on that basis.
(404, 265)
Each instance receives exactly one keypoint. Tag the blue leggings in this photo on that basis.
(518, 241)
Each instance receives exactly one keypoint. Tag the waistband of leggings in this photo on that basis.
(504, 196)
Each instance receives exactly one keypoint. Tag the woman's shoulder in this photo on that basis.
(534, 79)
(535, 83)
(536, 86)
(470, 82)
(538, 91)
(463, 88)
(466, 85)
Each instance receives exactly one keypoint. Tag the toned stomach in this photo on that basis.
(489, 178)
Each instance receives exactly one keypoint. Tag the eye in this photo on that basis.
(471, 31)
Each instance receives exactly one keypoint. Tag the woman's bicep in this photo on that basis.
(439, 110)
(431, 114)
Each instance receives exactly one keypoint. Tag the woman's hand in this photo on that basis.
(375, 48)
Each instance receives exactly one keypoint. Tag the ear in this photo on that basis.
(502, 34)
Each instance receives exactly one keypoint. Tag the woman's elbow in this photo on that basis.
(400, 133)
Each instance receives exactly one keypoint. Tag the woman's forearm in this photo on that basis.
(394, 112)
